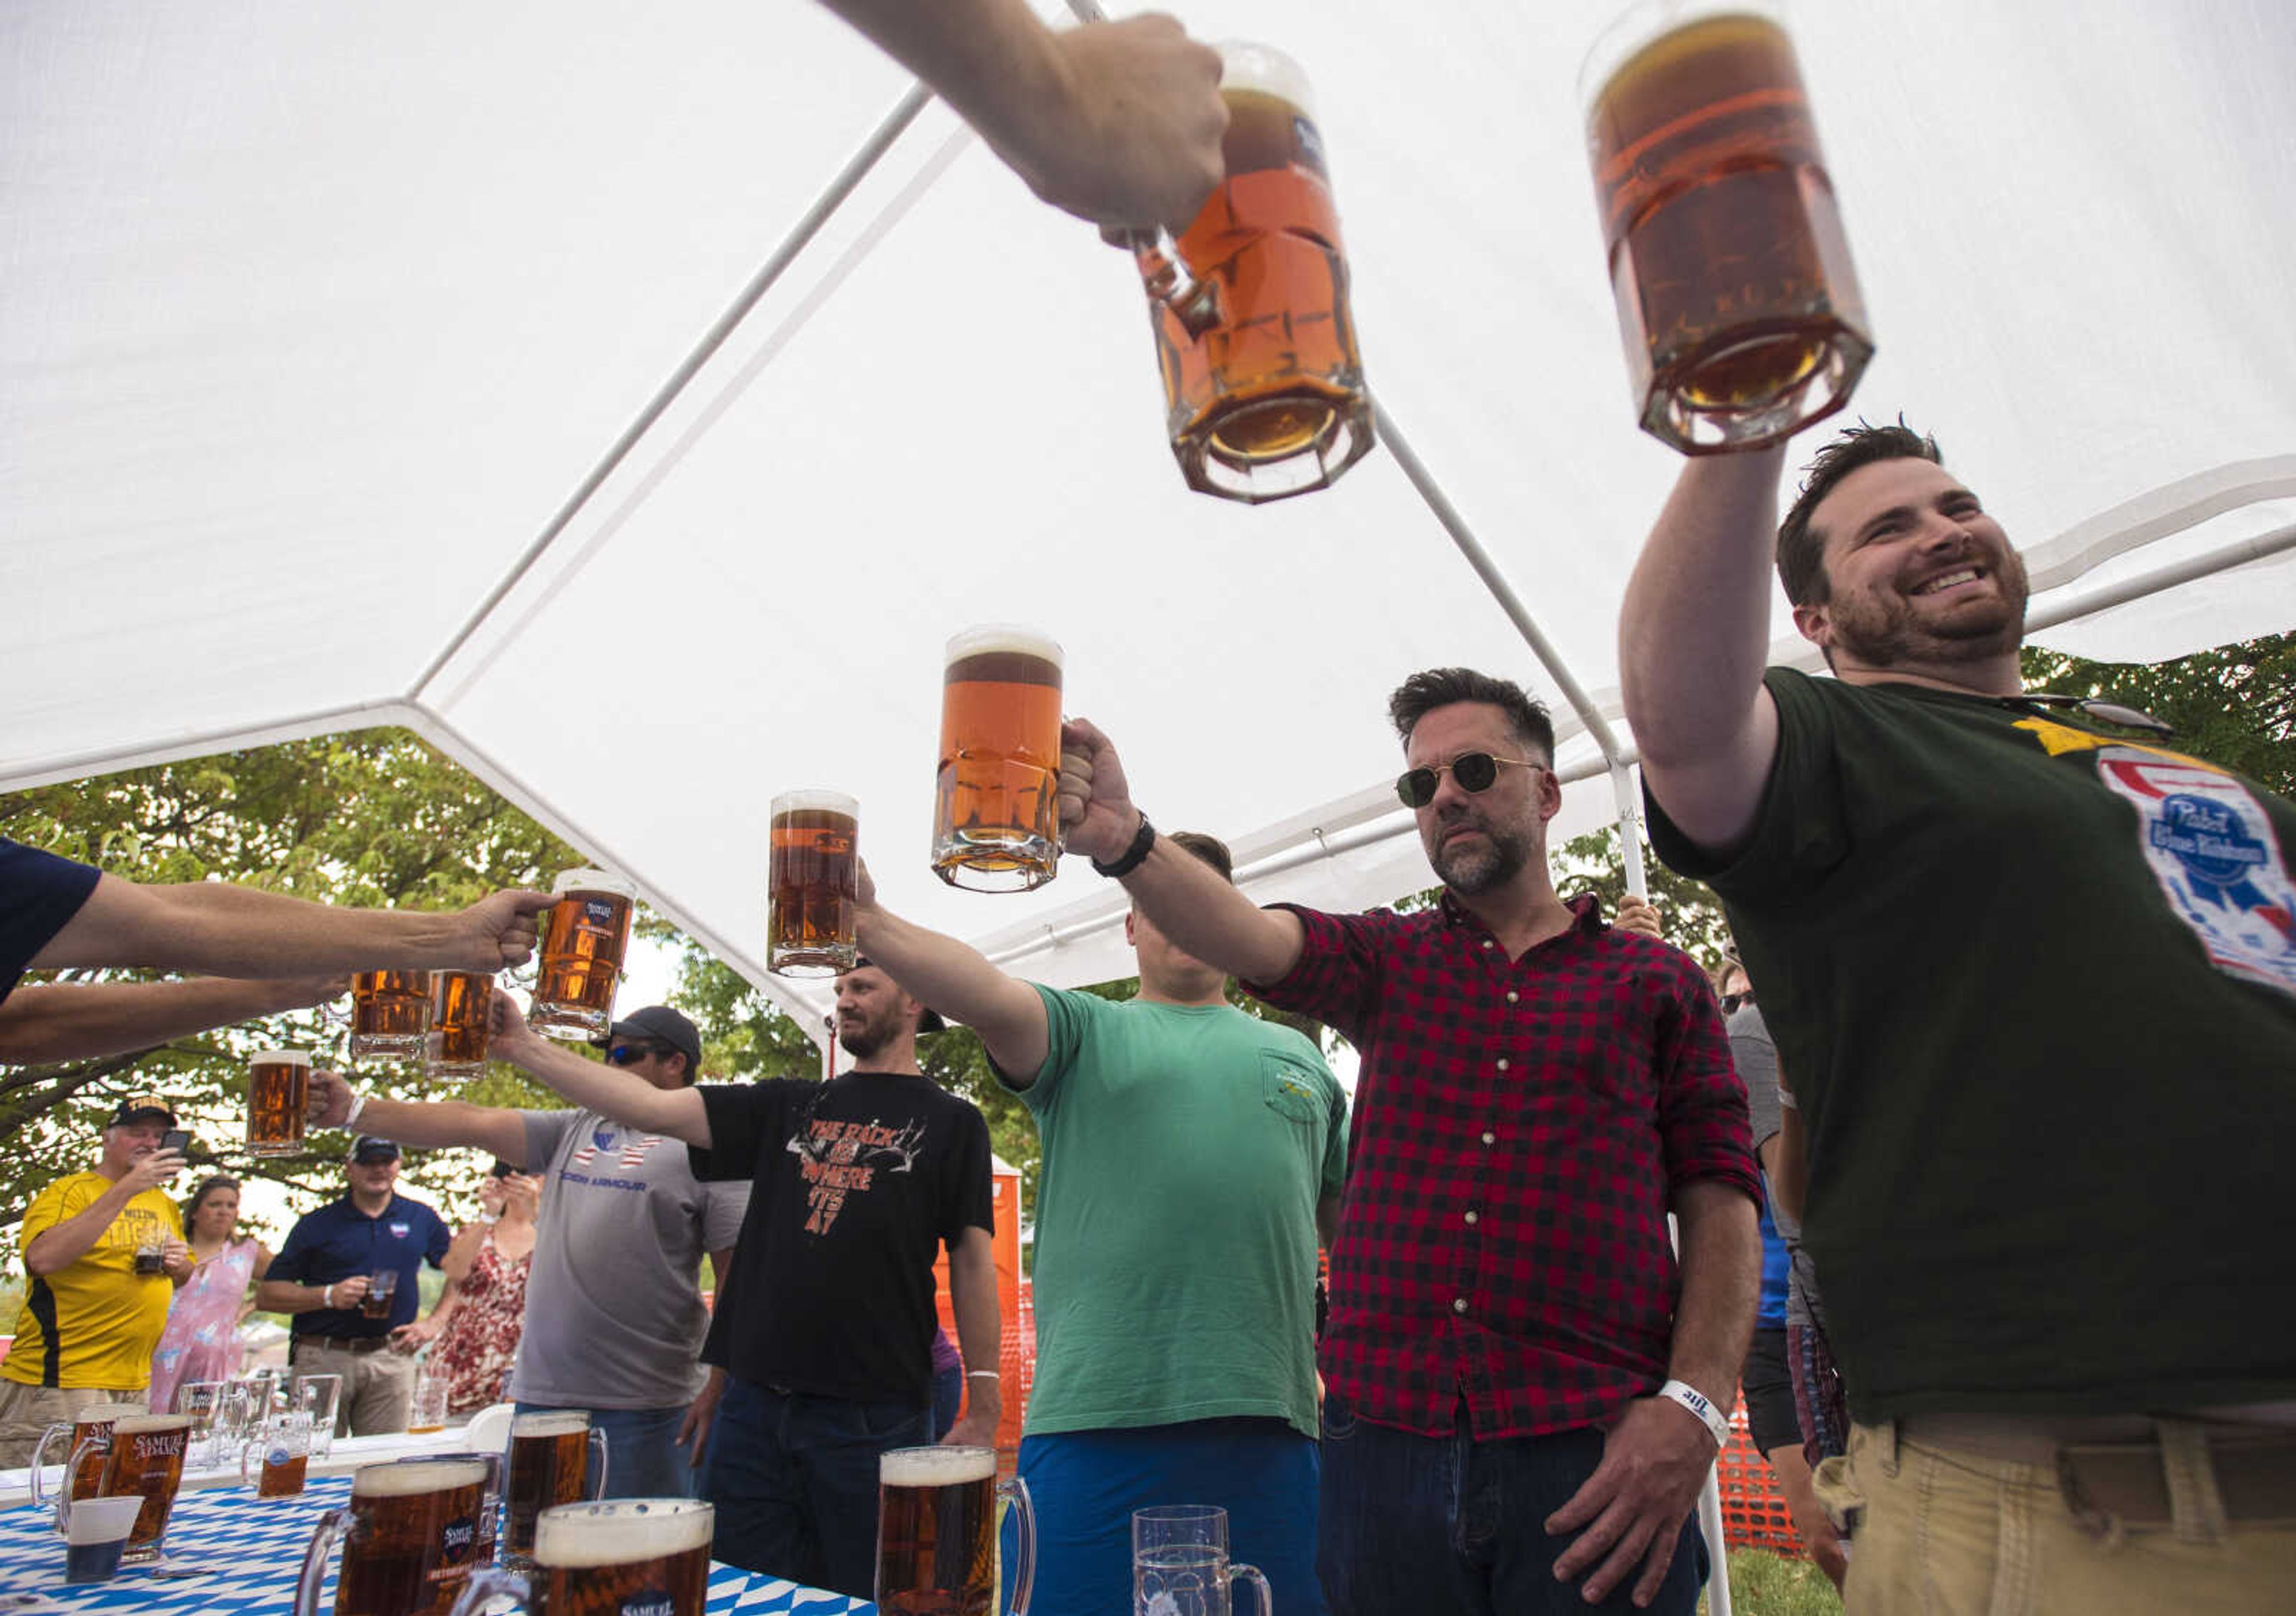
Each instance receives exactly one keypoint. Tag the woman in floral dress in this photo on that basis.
(201, 1341)
(485, 1299)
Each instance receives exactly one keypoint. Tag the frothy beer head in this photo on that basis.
(1250, 68)
(146, 1424)
(280, 1057)
(592, 881)
(557, 1423)
(936, 1466)
(423, 1476)
(573, 1535)
(1021, 655)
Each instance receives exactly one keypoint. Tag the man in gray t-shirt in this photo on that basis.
(614, 1316)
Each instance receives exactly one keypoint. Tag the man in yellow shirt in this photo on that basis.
(93, 1313)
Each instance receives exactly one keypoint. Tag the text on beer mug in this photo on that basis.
(997, 809)
(1739, 307)
(147, 1461)
(583, 942)
(278, 1086)
(937, 1536)
(1268, 400)
(86, 1444)
(813, 882)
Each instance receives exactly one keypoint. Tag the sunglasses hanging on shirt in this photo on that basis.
(2090, 707)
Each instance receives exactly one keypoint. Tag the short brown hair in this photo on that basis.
(1422, 693)
(1211, 850)
(1801, 553)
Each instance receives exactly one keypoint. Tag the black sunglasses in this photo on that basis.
(1730, 1001)
(1474, 772)
(2103, 712)
(630, 1054)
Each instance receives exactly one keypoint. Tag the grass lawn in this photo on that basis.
(1763, 1583)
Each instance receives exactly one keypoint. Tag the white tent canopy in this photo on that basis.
(322, 329)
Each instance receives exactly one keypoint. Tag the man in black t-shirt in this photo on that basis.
(825, 1325)
(2026, 965)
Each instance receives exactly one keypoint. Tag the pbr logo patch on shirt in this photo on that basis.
(2211, 848)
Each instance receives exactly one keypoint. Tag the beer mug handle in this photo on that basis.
(1194, 303)
(598, 1460)
(64, 1482)
(332, 1525)
(1015, 1492)
(487, 1583)
(1250, 1573)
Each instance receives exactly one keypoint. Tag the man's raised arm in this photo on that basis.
(957, 981)
(81, 1021)
(427, 1125)
(1693, 638)
(608, 1090)
(1189, 901)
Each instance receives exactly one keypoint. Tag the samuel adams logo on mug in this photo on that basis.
(649, 1602)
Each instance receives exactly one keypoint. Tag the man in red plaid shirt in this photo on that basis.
(1527, 1387)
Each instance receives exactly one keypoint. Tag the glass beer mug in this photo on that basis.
(1180, 1565)
(390, 1013)
(582, 946)
(410, 1538)
(937, 1536)
(629, 1555)
(461, 1004)
(813, 882)
(1737, 299)
(85, 1445)
(1264, 389)
(278, 1084)
(996, 810)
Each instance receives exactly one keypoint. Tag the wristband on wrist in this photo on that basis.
(358, 1104)
(1787, 1099)
(982, 1375)
(1129, 859)
(1717, 1423)
(327, 1295)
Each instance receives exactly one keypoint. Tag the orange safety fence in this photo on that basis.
(1754, 1512)
(1017, 1352)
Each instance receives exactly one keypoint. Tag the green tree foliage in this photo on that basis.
(374, 818)
(2234, 706)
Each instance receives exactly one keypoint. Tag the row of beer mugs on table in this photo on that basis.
(1741, 313)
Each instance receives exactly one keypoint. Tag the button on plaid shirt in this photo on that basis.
(1519, 1127)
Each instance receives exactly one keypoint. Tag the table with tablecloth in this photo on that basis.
(241, 1555)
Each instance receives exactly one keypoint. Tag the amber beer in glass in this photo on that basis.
(146, 1460)
(813, 881)
(390, 1011)
(548, 1454)
(279, 1451)
(936, 1533)
(1739, 309)
(87, 1447)
(582, 947)
(410, 1540)
(460, 1001)
(1267, 401)
(997, 814)
(278, 1084)
(631, 1557)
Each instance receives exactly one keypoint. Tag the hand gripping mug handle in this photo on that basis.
(1016, 1493)
(487, 1583)
(1194, 303)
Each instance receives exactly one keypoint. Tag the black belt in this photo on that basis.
(345, 1343)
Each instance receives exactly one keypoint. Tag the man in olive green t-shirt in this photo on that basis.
(1192, 1159)
(103, 1252)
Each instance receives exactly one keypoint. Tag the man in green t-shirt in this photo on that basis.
(2027, 966)
(1192, 1159)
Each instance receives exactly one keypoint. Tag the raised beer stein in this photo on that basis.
(390, 1013)
(582, 946)
(550, 1451)
(1180, 1565)
(936, 1538)
(649, 1555)
(1739, 309)
(86, 1442)
(1267, 399)
(278, 1088)
(461, 1003)
(996, 805)
(813, 882)
(410, 1538)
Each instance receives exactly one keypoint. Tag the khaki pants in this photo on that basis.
(377, 1386)
(1955, 1532)
(26, 1411)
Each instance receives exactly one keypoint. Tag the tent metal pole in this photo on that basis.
(206, 742)
(1624, 791)
(2237, 554)
(880, 141)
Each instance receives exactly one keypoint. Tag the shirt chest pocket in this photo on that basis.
(1289, 1090)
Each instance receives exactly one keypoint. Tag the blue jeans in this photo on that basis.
(1084, 1486)
(643, 1457)
(1448, 1526)
(794, 1478)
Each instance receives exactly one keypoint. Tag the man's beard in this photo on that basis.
(861, 1039)
(1881, 630)
(1474, 871)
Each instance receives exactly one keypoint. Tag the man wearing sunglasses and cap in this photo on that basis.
(825, 1322)
(333, 1256)
(1527, 1387)
(614, 1295)
(1988, 1107)
(103, 1252)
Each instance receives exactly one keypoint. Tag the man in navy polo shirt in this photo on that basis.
(321, 1277)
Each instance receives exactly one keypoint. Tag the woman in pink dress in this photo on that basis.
(201, 1341)
(485, 1299)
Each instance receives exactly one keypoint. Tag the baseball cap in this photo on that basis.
(662, 1025)
(138, 1108)
(369, 1148)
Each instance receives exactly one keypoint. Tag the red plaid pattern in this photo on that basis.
(1519, 1127)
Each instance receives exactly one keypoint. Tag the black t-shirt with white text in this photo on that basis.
(856, 1185)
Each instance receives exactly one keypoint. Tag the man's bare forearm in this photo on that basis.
(1721, 1267)
(80, 1021)
(979, 1322)
(1207, 917)
(223, 930)
(610, 1092)
(447, 1124)
(957, 980)
(63, 1243)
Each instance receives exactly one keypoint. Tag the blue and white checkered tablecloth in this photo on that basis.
(245, 1555)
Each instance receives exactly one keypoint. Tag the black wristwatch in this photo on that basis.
(1129, 859)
